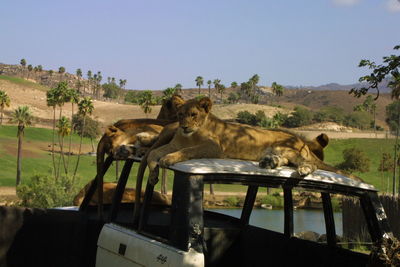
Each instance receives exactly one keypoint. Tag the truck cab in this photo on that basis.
(184, 233)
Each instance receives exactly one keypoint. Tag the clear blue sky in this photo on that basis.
(155, 44)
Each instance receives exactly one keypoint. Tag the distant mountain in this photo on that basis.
(383, 88)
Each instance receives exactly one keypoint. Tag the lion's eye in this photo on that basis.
(193, 114)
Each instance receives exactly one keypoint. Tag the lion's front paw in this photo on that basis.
(168, 160)
(269, 162)
(306, 168)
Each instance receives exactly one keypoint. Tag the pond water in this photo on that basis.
(304, 220)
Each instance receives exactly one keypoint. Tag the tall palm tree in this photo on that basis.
(23, 117)
(51, 96)
(64, 129)
(85, 108)
(79, 83)
(277, 89)
(89, 77)
(146, 100)
(23, 63)
(216, 83)
(199, 82)
(221, 90)
(209, 82)
(4, 102)
(169, 92)
(74, 98)
(30, 68)
(61, 70)
(178, 88)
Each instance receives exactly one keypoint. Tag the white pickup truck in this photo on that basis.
(184, 234)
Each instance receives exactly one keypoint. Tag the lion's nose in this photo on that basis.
(185, 128)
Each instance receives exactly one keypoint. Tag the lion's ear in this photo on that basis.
(111, 130)
(205, 103)
(322, 139)
(177, 101)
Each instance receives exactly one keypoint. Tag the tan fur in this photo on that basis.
(108, 193)
(124, 132)
(202, 135)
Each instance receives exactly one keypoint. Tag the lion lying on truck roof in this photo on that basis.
(125, 132)
(203, 135)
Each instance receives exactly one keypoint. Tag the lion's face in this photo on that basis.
(117, 139)
(192, 115)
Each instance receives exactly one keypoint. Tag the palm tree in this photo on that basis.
(30, 68)
(23, 63)
(199, 82)
(89, 77)
(221, 90)
(169, 92)
(39, 68)
(64, 128)
(234, 85)
(79, 83)
(216, 83)
(277, 89)
(73, 99)
(23, 117)
(178, 88)
(85, 108)
(52, 102)
(209, 82)
(4, 102)
(61, 70)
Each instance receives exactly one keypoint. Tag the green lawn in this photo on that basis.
(23, 82)
(42, 162)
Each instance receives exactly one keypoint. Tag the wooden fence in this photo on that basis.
(354, 225)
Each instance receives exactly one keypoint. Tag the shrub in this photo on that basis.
(232, 201)
(358, 119)
(92, 127)
(43, 191)
(300, 117)
(233, 98)
(132, 97)
(275, 201)
(246, 117)
(354, 160)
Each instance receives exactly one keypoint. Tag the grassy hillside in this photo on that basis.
(23, 82)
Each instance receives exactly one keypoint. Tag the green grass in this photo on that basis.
(373, 148)
(23, 82)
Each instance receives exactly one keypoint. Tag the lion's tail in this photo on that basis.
(323, 166)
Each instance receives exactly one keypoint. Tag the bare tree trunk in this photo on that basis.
(53, 142)
(70, 137)
(164, 189)
(1, 119)
(80, 149)
(19, 157)
(211, 189)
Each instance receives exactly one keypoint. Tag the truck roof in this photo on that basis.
(251, 169)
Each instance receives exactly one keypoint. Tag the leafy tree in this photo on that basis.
(111, 90)
(23, 117)
(23, 62)
(209, 82)
(300, 117)
(330, 113)
(131, 97)
(389, 68)
(39, 68)
(61, 70)
(234, 85)
(51, 72)
(358, 119)
(245, 88)
(91, 129)
(199, 82)
(233, 98)
(146, 100)
(43, 191)
(85, 108)
(386, 163)
(4, 102)
(354, 159)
